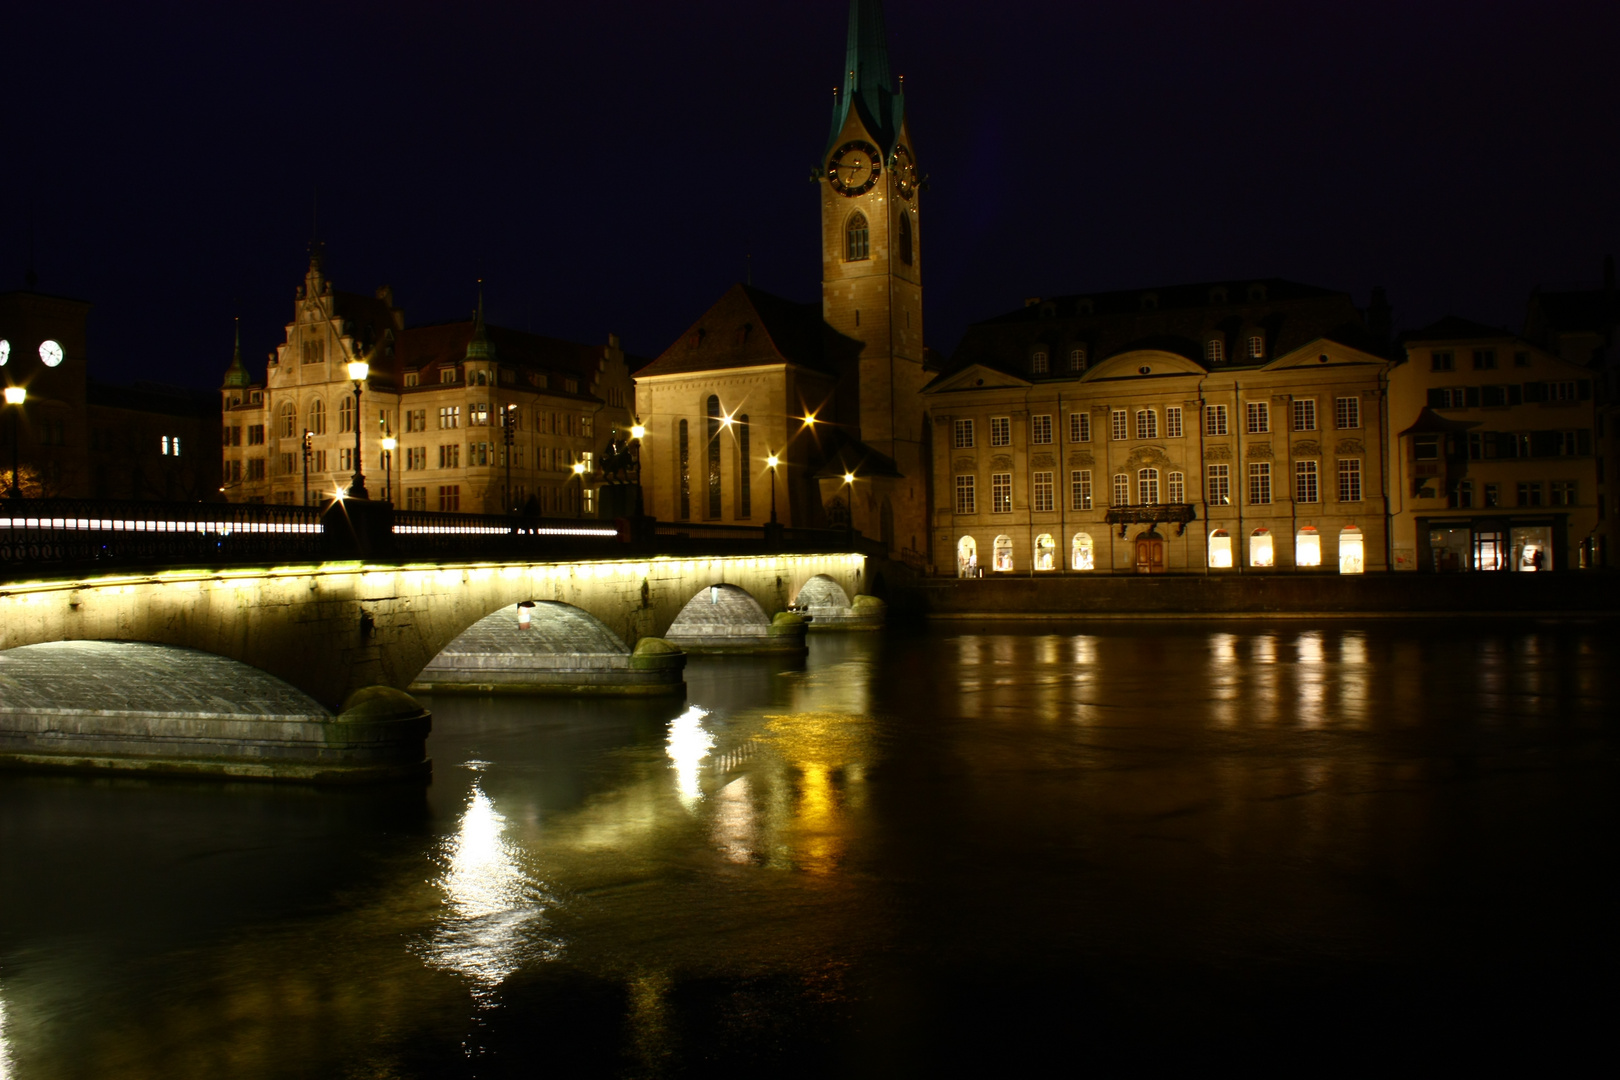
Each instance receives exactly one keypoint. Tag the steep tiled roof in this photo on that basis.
(428, 348)
(1454, 327)
(748, 327)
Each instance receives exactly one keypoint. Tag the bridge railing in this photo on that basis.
(43, 532)
(96, 535)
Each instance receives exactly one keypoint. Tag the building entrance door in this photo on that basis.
(1150, 554)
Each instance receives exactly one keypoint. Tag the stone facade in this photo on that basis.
(439, 391)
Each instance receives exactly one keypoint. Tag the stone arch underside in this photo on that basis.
(830, 607)
(563, 649)
(332, 629)
(164, 708)
(723, 618)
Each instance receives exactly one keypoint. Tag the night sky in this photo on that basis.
(610, 166)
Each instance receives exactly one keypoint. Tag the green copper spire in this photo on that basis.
(237, 374)
(480, 347)
(868, 83)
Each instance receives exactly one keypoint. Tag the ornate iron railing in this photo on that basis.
(1178, 514)
(49, 531)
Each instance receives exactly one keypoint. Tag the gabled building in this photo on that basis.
(829, 390)
(439, 391)
(1494, 454)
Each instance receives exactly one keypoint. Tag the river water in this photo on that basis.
(1087, 847)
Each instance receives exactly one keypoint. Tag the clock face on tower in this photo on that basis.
(854, 168)
(5, 351)
(51, 353)
(905, 172)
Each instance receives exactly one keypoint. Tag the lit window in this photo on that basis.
(1045, 552)
(1257, 347)
(1260, 549)
(1003, 554)
(857, 239)
(1220, 550)
(1082, 553)
(165, 446)
(1351, 559)
(1307, 547)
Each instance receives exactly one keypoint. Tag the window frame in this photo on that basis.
(1001, 493)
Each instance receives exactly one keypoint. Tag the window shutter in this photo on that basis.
(1535, 391)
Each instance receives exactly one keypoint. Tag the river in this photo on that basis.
(1105, 846)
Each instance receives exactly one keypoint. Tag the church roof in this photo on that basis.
(748, 327)
(868, 84)
(1180, 319)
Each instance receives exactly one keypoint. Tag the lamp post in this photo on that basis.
(16, 395)
(771, 460)
(849, 518)
(309, 443)
(508, 424)
(638, 431)
(388, 444)
(579, 471)
(358, 370)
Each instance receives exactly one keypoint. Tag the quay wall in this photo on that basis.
(1282, 594)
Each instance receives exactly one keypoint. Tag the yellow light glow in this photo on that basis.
(579, 468)
(725, 421)
(16, 395)
(389, 442)
(810, 420)
(849, 478)
(638, 431)
(688, 745)
(771, 460)
(358, 370)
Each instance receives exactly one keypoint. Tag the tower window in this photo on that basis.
(905, 238)
(857, 239)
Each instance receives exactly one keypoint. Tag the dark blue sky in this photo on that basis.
(610, 166)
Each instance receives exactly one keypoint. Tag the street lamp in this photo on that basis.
(579, 471)
(16, 395)
(388, 444)
(309, 443)
(771, 461)
(638, 431)
(358, 370)
(849, 482)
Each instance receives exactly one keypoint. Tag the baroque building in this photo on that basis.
(829, 391)
(445, 394)
(1219, 427)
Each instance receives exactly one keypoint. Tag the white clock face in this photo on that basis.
(51, 353)
(5, 351)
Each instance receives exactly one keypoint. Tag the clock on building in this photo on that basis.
(905, 172)
(854, 168)
(5, 351)
(50, 352)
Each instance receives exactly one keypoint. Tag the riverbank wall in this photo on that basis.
(1255, 595)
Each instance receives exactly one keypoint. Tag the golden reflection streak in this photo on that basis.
(5, 1045)
(736, 830)
(689, 743)
(1312, 692)
(826, 754)
(490, 900)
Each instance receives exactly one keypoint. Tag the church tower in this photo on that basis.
(871, 278)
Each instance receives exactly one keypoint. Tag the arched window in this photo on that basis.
(1260, 553)
(745, 474)
(1214, 350)
(712, 434)
(1040, 361)
(317, 417)
(905, 238)
(1147, 486)
(346, 415)
(289, 420)
(1082, 553)
(857, 239)
(1077, 358)
(1308, 547)
(967, 557)
(1003, 555)
(1351, 558)
(1045, 552)
(1220, 550)
(685, 478)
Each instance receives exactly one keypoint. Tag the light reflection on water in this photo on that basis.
(5, 1043)
(942, 804)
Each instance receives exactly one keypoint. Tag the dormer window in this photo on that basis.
(1214, 351)
(413, 378)
(256, 397)
(1257, 293)
(1150, 301)
(1077, 358)
(1257, 347)
(447, 375)
(1217, 297)
(1040, 362)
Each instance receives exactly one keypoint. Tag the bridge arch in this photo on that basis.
(722, 617)
(333, 628)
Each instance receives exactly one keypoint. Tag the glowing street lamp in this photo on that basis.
(16, 395)
(579, 471)
(358, 370)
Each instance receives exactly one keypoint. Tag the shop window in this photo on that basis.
(967, 557)
(1308, 547)
(1220, 550)
(1352, 559)
(1003, 554)
(1045, 552)
(1532, 548)
(1082, 553)
(1490, 550)
(1261, 555)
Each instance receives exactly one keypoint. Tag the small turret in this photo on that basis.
(479, 347)
(237, 374)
